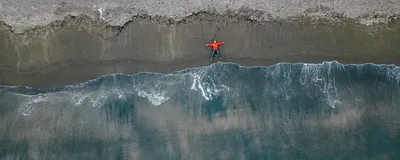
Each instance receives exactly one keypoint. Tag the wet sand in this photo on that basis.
(79, 48)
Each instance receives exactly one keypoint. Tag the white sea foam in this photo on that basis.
(154, 97)
(30, 101)
(284, 76)
(312, 75)
(79, 98)
(98, 99)
(394, 73)
(159, 90)
(207, 90)
(94, 99)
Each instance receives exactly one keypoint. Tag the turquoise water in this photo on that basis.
(222, 111)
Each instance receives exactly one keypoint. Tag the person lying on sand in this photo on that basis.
(215, 49)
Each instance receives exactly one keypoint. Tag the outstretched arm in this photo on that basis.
(221, 43)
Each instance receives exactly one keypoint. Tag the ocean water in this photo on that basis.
(222, 111)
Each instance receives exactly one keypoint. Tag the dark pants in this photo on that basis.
(215, 51)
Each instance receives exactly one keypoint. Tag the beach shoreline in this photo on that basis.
(79, 48)
(76, 73)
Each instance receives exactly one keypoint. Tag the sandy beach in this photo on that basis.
(225, 111)
(77, 45)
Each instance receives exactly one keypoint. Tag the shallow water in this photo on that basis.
(222, 111)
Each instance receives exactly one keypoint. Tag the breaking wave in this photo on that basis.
(327, 84)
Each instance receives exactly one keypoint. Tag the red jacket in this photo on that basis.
(215, 45)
